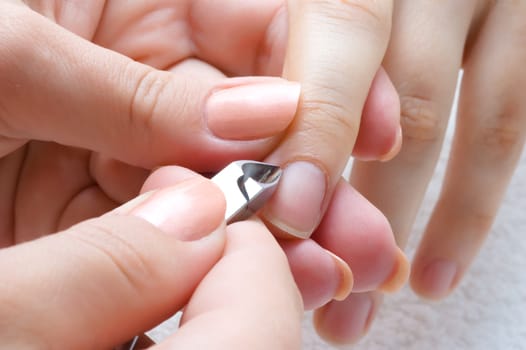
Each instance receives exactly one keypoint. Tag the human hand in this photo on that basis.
(133, 118)
(102, 281)
(430, 43)
(69, 108)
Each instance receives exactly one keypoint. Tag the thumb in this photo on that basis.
(105, 280)
(59, 87)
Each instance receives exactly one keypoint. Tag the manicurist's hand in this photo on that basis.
(82, 125)
(101, 282)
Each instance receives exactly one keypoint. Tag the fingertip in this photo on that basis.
(399, 276)
(345, 322)
(296, 206)
(395, 148)
(435, 280)
(320, 275)
(345, 275)
(358, 232)
(380, 135)
(167, 176)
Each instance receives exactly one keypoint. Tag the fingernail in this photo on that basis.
(345, 322)
(395, 149)
(346, 277)
(398, 278)
(189, 211)
(296, 206)
(436, 280)
(253, 111)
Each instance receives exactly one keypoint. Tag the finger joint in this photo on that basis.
(421, 120)
(501, 139)
(374, 15)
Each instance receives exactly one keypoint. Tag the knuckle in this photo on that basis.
(374, 15)
(329, 120)
(502, 138)
(144, 99)
(151, 90)
(421, 121)
(482, 222)
(124, 256)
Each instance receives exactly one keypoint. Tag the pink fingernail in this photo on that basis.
(253, 111)
(437, 279)
(395, 149)
(296, 206)
(189, 211)
(345, 322)
(346, 277)
(399, 275)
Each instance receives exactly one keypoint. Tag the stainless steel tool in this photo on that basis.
(247, 186)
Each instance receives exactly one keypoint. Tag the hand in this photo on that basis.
(123, 118)
(69, 109)
(430, 43)
(335, 50)
(102, 281)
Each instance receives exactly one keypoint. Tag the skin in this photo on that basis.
(82, 126)
(430, 42)
(124, 272)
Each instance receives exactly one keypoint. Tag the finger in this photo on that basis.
(320, 275)
(260, 49)
(166, 176)
(118, 180)
(122, 273)
(247, 301)
(345, 322)
(423, 60)
(240, 38)
(425, 76)
(358, 233)
(359, 238)
(335, 80)
(9, 168)
(380, 135)
(489, 138)
(46, 188)
(103, 101)
(362, 238)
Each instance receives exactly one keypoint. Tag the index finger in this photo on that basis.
(335, 49)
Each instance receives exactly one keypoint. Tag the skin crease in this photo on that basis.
(57, 186)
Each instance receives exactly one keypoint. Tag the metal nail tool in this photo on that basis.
(247, 185)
